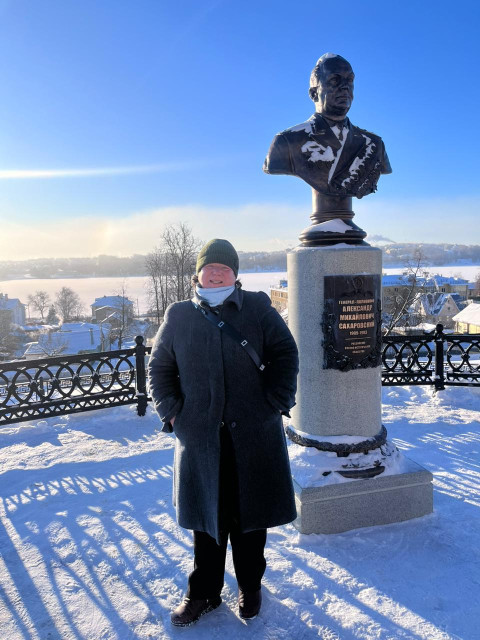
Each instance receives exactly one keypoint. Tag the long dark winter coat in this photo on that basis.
(204, 378)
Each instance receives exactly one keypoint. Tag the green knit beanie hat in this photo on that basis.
(219, 251)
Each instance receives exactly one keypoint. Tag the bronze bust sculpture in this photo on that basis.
(336, 158)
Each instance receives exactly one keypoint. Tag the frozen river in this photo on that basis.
(90, 288)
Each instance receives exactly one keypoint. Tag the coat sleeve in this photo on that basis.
(164, 382)
(281, 356)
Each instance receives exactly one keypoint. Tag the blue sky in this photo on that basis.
(120, 116)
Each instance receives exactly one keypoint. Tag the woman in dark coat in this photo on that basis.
(231, 472)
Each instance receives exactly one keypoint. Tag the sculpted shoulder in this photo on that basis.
(298, 130)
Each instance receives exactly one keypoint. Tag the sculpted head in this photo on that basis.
(331, 86)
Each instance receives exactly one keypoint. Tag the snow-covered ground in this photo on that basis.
(89, 547)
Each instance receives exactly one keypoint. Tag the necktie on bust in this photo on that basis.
(341, 130)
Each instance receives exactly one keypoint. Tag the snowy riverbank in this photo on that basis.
(89, 547)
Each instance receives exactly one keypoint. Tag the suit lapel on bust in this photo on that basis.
(322, 134)
(354, 147)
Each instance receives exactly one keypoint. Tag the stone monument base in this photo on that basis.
(334, 508)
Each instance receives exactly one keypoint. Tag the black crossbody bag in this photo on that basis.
(231, 332)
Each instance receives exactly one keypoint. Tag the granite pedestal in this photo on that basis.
(364, 503)
(333, 404)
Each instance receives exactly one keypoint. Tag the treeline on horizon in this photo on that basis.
(395, 254)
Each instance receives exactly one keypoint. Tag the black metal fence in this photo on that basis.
(71, 384)
(436, 358)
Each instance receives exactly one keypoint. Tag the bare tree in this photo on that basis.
(40, 300)
(158, 283)
(170, 267)
(124, 316)
(477, 285)
(398, 310)
(68, 304)
(53, 343)
(182, 247)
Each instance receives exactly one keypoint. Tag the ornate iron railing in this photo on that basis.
(436, 358)
(70, 384)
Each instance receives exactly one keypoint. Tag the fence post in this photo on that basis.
(140, 376)
(439, 355)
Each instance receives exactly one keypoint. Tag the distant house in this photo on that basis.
(438, 307)
(449, 284)
(72, 338)
(473, 291)
(14, 308)
(468, 320)
(279, 296)
(112, 308)
(397, 288)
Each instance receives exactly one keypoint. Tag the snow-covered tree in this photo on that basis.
(52, 317)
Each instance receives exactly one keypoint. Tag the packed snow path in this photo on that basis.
(89, 547)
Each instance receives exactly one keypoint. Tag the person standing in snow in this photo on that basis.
(223, 370)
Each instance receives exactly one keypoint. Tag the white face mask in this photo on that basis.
(214, 296)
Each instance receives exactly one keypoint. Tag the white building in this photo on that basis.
(14, 308)
(468, 320)
(112, 308)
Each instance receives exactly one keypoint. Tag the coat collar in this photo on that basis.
(322, 132)
(319, 123)
(236, 298)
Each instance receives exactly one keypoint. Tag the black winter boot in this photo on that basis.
(191, 610)
(249, 603)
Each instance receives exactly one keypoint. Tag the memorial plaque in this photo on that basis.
(352, 322)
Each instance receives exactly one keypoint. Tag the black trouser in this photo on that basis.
(206, 579)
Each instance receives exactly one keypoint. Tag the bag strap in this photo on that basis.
(230, 331)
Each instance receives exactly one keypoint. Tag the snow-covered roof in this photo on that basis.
(398, 280)
(38, 327)
(469, 315)
(441, 281)
(34, 348)
(9, 304)
(77, 326)
(72, 338)
(111, 301)
(422, 326)
(433, 303)
(434, 281)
